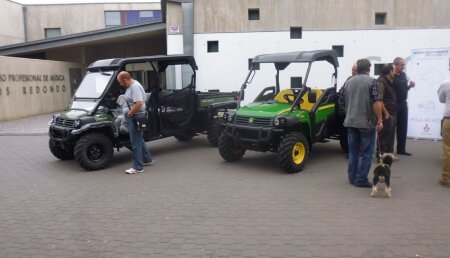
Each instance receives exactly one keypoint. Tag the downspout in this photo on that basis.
(188, 38)
(188, 28)
(25, 27)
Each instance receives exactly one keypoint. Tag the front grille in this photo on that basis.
(57, 134)
(65, 122)
(255, 121)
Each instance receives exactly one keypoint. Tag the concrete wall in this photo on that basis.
(11, 23)
(30, 87)
(174, 19)
(226, 69)
(74, 18)
(213, 16)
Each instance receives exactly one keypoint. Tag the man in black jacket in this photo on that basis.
(386, 92)
(401, 87)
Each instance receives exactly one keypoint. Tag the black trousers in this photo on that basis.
(387, 135)
(402, 126)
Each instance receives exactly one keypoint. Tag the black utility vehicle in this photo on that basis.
(89, 129)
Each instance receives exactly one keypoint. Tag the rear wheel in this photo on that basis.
(214, 131)
(228, 150)
(94, 151)
(184, 137)
(294, 151)
(62, 153)
(343, 141)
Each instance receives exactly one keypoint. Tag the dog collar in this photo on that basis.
(384, 165)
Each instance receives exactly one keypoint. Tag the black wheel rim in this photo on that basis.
(95, 152)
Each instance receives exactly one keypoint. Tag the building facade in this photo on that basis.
(227, 34)
(38, 22)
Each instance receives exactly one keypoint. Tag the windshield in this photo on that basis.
(93, 85)
(261, 86)
(84, 105)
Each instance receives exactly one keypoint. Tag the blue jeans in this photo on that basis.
(361, 146)
(141, 154)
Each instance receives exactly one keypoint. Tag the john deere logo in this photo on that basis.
(250, 120)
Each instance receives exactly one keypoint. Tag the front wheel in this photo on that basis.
(214, 131)
(228, 150)
(94, 151)
(59, 152)
(294, 151)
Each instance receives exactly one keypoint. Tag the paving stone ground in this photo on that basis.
(193, 204)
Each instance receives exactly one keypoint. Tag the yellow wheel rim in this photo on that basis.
(298, 153)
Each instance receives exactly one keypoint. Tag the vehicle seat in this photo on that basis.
(308, 105)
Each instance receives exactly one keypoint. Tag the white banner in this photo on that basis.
(428, 68)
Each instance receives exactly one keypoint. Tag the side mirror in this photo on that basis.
(241, 95)
(312, 97)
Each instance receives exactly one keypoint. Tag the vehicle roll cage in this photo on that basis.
(283, 60)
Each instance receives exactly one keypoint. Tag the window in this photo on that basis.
(52, 32)
(123, 18)
(380, 18)
(296, 32)
(253, 14)
(112, 19)
(213, 46)
(256, 66)
(377, 70)
(296, 82)
(339, 50)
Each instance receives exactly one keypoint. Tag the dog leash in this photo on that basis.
(379, 149)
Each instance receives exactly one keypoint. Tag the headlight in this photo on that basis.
(77, 123)
(279, 121)
(53, 120)
(230, 117)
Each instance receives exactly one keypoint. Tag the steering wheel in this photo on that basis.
(288, 96)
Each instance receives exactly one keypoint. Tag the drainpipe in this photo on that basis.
(188, 28)
(25, 27)
(188, 38)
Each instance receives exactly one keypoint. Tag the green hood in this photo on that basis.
(262, 109)
(73, 114)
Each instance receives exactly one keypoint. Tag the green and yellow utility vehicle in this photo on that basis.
(284, 120)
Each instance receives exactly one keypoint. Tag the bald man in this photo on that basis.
(135, 106)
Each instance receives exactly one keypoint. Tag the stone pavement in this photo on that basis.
(26, 126)
(193, 204)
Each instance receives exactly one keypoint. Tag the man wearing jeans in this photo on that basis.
(135, 96)
(363, 116)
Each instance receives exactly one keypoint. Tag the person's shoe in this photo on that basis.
(151, 163)
(133, 171)
(404, 153)
(364, 185)
(444, 183)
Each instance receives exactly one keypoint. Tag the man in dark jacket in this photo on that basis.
(386, 93)
(401, 87)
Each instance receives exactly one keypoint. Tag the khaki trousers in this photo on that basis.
(446, 143)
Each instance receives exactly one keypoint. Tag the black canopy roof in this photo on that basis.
(162, 60)
(299, 57)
